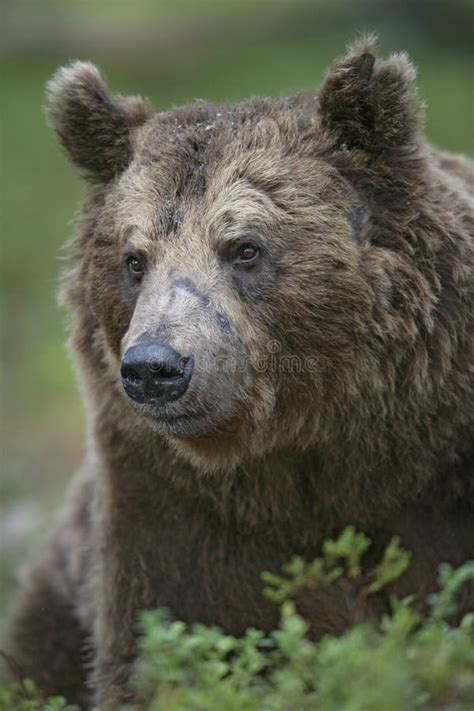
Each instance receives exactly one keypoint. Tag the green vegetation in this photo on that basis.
(400, 663)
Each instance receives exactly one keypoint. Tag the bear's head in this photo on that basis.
(246, 267)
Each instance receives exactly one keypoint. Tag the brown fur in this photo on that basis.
(353, 399)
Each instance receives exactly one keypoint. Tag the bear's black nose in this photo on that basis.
(155, 373)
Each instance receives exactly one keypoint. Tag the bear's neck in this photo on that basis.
(286, 490)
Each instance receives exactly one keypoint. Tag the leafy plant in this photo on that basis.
(402, 662)
(25, 696)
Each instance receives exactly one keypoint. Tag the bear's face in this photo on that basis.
(235, 250)
(225, 265)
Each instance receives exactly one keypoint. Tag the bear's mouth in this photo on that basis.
(190, 423)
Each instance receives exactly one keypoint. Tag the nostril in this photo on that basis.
(185, 366)
(128, 372)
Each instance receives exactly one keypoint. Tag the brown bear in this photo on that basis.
(273, 315)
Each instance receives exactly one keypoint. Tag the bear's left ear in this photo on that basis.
(94, 127)
(368, 104)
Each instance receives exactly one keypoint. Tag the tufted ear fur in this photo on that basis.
(94, 127)
(369, 104)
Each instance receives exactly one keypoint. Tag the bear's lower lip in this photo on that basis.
(174, 419)
(185, 424)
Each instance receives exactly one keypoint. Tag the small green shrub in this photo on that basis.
(402, 662)
(25, 696)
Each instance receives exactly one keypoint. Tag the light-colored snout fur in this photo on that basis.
(177, 310)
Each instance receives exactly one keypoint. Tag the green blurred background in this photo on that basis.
(170, 51)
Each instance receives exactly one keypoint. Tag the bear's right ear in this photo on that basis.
(94, 127)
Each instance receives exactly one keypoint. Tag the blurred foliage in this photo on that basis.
(400, 663)
(170, 51)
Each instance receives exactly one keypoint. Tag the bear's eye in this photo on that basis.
(136, 265)
(247, 253)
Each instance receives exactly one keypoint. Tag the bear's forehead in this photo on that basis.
(203, 131)
(233, 168)
(151, 202)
